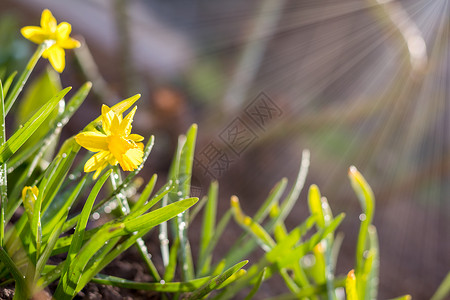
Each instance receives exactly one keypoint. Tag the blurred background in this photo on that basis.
(357, 82)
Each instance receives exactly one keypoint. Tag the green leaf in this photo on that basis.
(261, 236)
(209, 223)
(24, 133)
(145, 195)
(168, 287)
(217, 281)
(256, 286)
(8, 83)
(41, 145)
(78, 236)
(158, 216)
(42, 88)
(54, 235)
(3, 169)
(61, 206)
(315, 205)
(443, 289)
(367, 201)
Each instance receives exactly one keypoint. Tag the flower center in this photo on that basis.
(118, 145)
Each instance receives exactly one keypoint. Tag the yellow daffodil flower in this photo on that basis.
(114, 145)
(49, 30)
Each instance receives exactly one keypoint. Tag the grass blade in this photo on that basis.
(256, 286)
(65, 285)
(443, 289)
(209, 223)
(3, 169)
(215, 282)
(168, 287)
(22, 135)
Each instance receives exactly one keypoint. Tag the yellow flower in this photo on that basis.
(49, 30)
(114, 145)
(29, 196)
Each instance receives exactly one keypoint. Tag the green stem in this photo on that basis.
(18, 86)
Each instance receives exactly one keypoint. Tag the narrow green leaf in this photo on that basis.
(256, 286)
(58, 208)
(20, 83)
(168, 287)
(3, 169)
(157, 216)
(184, 177)
(223, 223)
(315, 205)
(65, 284)
(443, 290)
(54, 235)
(169, 273)
(209, 223)
(367, 201)
(24, 133)
(261, 236)
(145, 195)
(274, 196)
(215, 282)
(41, 145)
(8, 83)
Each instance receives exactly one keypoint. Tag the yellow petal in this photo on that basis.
(48, 22)
(56, 56)
(131, 159)
(34, 33)
(97, 161)
(125, 125)
(115, 126)
(93, 141)
(107, 117)
(63, 30)
(135, 137)
(69, 43)
(123, 105)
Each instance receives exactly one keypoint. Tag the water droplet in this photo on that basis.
(59, 124)
(362, 217)
(96, 216)
(107, 209)
(177, 181)
(162, 282)
(182, 226)
(72, 177)
(64, 155)
(179, 193)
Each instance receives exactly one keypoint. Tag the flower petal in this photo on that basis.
(56, 56)
(123, 105)
(135, 137)
(125, 125)
(63, 30)
(131, 159)
(97, 161)
(93, 141)
(115, 126)
(34, 33)
(48, 22)
(69, 43)
(107, 117)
